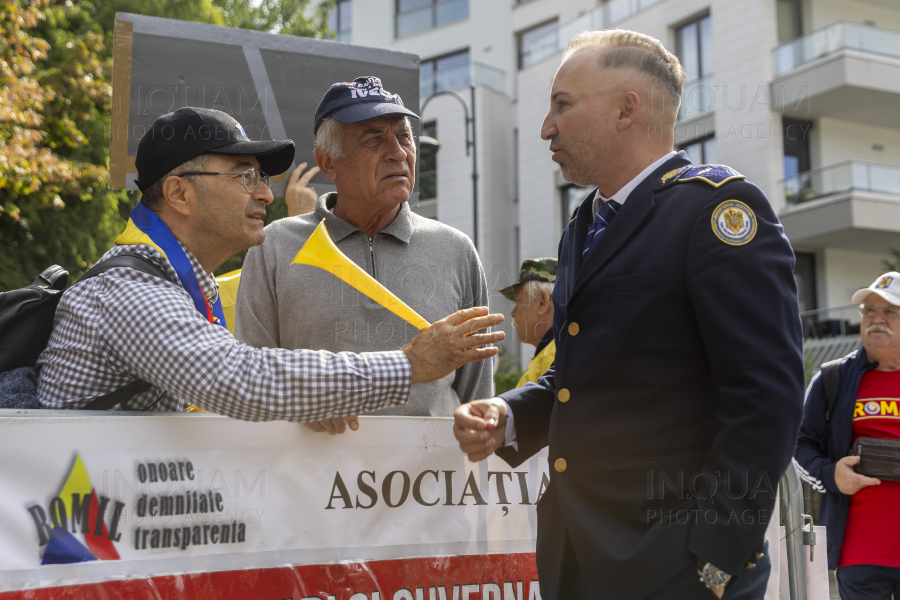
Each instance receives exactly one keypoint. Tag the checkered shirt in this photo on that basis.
(124, 325)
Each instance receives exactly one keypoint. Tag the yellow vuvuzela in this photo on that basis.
(320, 251)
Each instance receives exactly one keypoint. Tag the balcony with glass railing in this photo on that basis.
(461, 76)
(435, 14)
(829, 333)
(843, 71)
(835, 38)
(842, 178)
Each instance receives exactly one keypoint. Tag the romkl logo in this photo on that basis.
(72, 528)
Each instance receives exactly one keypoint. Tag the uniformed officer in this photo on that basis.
(675, 400)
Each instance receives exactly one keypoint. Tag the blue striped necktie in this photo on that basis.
(604, 217)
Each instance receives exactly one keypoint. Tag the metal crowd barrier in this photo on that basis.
(798, 530)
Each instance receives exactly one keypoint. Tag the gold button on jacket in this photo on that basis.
(563, 395)
(560, 465)
(574, 329)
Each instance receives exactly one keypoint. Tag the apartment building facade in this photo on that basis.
(801, 96)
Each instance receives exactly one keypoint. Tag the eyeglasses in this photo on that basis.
(249, 178)
(891, 313)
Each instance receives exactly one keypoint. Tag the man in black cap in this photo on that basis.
(365, 145)
(151, 335)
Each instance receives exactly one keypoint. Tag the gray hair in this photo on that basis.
(533, 289)
(330, 137)
(636, 52)
(153, 197)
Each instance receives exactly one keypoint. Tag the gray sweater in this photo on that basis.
(431, 267)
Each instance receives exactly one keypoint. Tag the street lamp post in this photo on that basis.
(470, 143)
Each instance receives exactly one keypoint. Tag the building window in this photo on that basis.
(790, 20)
(449, 72)
(694, 47)
(572, 197)
(428, 166)
(795, 136)
(795, 142)
(414, 16)
(693, 44)
(518, 249)
(805, 275)
(340, 21)
(702, 151)
(515, 166)
(538, 42)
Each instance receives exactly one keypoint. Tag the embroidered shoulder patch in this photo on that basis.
(714, 175)
(734, 223)
(673, 173)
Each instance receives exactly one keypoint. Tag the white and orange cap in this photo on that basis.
(887, 286)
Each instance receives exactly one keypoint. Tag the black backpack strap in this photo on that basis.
(138, 386)
(53, 278)
(831, 381)
(116, 397)
(134, 261)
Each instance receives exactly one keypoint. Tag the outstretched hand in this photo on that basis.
(450, 343)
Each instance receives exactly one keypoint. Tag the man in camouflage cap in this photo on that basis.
(533, 313)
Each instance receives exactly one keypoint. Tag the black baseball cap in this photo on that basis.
(179, 136)
(358, 100)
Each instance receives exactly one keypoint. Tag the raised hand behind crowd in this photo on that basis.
(299, 196)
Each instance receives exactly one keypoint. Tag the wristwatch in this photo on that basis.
(712, 576)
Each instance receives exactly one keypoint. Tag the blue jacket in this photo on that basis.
(817, 469)
(678, 366)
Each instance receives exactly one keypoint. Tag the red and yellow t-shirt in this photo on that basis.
(872, 536)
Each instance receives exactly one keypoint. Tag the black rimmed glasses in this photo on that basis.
(249, 178)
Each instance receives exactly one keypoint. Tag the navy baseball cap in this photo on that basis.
(361, 99)
(179, 136)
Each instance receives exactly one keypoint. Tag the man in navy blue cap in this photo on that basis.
(365, 145)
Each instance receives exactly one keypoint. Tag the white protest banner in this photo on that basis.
(188, 503)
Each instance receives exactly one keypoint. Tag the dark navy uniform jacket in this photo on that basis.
(678, 361)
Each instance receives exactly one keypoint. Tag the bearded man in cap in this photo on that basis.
(533, 313)
(149, 333)
(856, 400)
(365, 145)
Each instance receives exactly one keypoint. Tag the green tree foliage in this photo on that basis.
(44, 164)
(892, 264)
(55, 92)
(292, 17)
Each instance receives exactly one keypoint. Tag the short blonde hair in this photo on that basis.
(623, 49)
